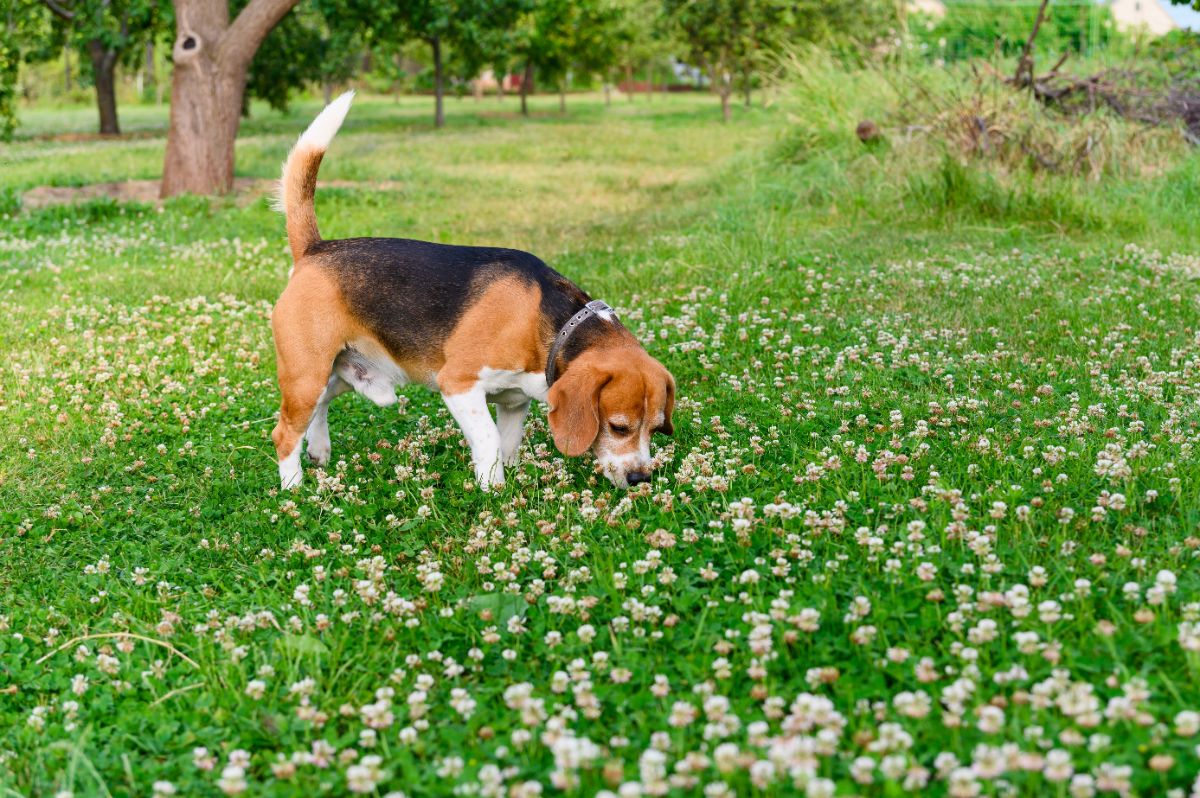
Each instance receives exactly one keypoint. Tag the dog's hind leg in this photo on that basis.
(319, 445)
(309, 333)
(300, 395)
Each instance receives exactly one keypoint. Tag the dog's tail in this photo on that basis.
(298, 184)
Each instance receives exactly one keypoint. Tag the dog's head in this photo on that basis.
(612, 400)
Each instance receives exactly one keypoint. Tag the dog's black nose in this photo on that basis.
(637, 478)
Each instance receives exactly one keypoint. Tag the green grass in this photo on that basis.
(903, 397)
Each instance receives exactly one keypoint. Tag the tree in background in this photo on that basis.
(313, 44)
(594, 47)
(468, 29)
(553, 37)
(437, 24)
(644, 40)
(769, 25)
(728, 37)
(713, 33)
(107, 32)
(25, 35)
(212, 58)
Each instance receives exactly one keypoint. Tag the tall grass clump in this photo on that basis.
(942, 144)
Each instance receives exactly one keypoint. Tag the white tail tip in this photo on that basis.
(317, 137)
(325, 126)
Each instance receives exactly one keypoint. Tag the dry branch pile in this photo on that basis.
(1152, 97)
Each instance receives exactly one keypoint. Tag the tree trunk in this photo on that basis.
(562, 96)
(607, 93)
(439, 116)
(211, 58)
(104, 63)
(526, 79)
(67, 67)
(151, 69)
(398, 64)
(725, 112)
(327, 91)
(629, 81)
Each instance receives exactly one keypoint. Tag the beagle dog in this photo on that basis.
(479, 324)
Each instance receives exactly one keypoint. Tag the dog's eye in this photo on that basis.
(619, 429)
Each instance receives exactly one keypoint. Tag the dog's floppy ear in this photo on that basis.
(667, 428)
(575, 408)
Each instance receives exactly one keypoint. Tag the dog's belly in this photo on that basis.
(371, 374)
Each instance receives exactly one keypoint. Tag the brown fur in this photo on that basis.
(494, 333)
(310, 327)
(299, 186)
(617, 379)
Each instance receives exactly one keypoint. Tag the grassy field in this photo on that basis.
(928, 522)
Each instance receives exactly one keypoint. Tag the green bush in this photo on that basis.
(978, 30)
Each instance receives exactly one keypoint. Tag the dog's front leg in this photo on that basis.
(470, 410)
(510, 420)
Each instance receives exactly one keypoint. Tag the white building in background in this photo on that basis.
(1148, 16)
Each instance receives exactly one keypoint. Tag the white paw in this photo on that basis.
(490, 478)
(290, 479)
(290, 472)
(318, 452)
(512, 458)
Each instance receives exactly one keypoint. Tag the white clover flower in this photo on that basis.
(233, 780)
(1058, 766)
(366, 775)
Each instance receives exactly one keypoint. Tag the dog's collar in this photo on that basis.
(593, 308)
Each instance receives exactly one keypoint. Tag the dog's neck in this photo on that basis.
(601, 328)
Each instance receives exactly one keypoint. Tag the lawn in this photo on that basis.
(928, 522)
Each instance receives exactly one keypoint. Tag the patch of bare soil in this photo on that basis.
(75, 137)
(245, 190)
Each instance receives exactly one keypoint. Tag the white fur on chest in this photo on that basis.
(512, 387)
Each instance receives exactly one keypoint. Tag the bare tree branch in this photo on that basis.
(59, 10)
(1024, 76)
(252, 26)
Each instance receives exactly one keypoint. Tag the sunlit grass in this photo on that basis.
(927, 523)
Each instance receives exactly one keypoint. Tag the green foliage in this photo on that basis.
(25, 35)
(981, 30)
(728, 37)
(10, 61)
(557, 36)
(312, 44)
(121, 26)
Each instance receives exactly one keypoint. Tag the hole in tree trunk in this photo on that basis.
(189, 43)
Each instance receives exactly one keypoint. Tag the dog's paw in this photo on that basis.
(491, 479)
(319, 452)
(512, 458)
(290, 472)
